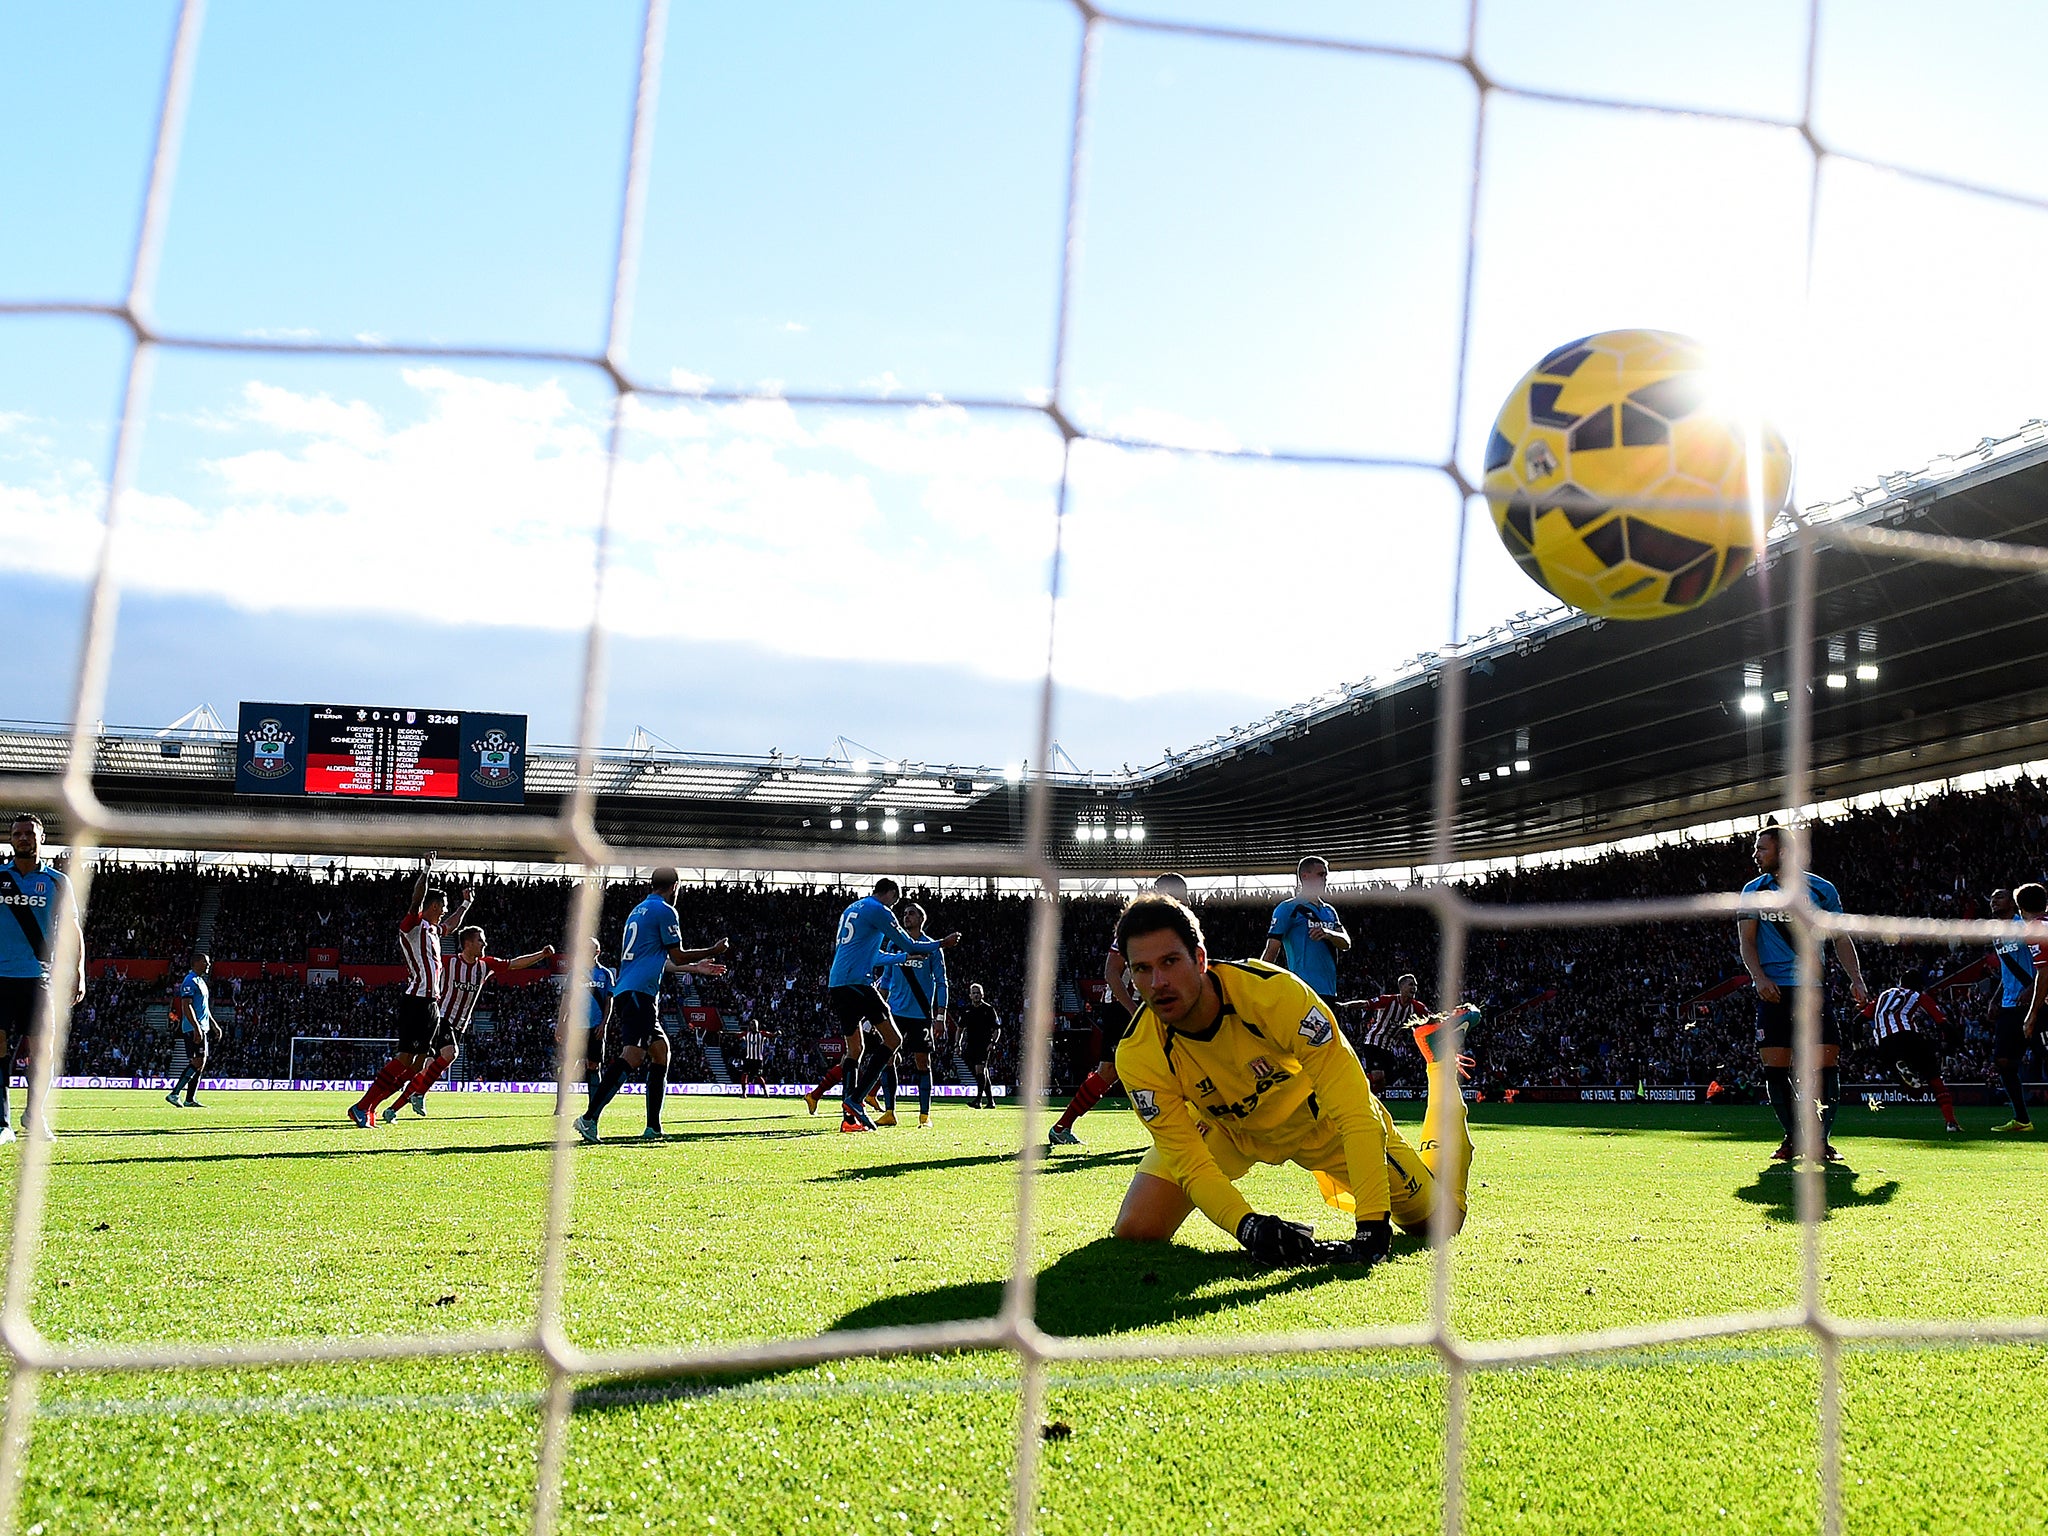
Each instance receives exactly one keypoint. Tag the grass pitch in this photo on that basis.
(265, 1213)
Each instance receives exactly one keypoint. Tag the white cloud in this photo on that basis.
(922, 531)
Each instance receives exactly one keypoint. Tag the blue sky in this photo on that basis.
(868, 197)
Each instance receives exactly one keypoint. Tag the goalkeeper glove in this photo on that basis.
(1375, 1240)
(1274, 1241)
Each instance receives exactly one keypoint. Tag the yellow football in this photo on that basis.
(1621, 484)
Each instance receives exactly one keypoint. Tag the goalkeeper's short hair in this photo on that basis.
(1156, 912)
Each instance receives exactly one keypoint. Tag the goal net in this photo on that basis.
(1037, 853)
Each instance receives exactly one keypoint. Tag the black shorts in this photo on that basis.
(975, 1052)
(917, 1035)
(637, 1016)
(854, 1006)
(1911, 1055)
(1377, 1058)
(24, 1007)
(419, 1021)
(1116, 1029)
(2009, 1032)
(447, 1033)
(1774, 1022)
(755, 1066)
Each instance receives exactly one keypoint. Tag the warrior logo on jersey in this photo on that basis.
(1143, 1102)
(1206, 1085)
(494, 759)
(267, 745)
(1315, 1029)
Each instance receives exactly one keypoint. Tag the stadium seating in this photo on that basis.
(1606, 1005)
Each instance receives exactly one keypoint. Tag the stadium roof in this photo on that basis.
(1921, 671)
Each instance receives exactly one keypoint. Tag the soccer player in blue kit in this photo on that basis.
(652, 945)
(602, 982)
(2013, 1021)
(1306, 934)
(860, 944)
(1765, 940)
(37, 899)
(192, 1007)
(917, 1001)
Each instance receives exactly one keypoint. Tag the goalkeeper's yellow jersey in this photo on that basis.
(1272, 1075)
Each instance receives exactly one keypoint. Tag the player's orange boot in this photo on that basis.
(1431, 1032)
(811, 1102)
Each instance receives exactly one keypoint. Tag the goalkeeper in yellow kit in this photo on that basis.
(1237, 1062)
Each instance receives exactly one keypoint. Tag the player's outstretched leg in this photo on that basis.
(1086, 1097)
(1446, 1144)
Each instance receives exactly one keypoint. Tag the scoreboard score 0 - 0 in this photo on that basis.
(375, 753)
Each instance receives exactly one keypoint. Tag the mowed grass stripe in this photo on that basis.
(260, 1215)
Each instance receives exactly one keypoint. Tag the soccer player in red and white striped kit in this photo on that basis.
(462, 983)
(419, 941)
(1391, 1020)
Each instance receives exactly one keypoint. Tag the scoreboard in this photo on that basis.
(372, 752)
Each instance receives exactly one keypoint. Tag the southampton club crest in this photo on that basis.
(268, 757)
(494, 754)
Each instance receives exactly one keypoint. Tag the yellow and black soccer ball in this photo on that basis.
(1621, 484)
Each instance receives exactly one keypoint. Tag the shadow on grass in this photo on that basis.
(1909, 1124)
(1063, 1164)
(1109, 1286)
(1776, 1189)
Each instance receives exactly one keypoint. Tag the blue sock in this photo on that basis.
(924, 1091)
(889, 1087)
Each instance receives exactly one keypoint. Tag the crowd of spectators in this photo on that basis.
(1607, 1003)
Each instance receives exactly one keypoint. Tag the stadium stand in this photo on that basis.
(1563, 1007)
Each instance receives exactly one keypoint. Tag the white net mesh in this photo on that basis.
(573, 837)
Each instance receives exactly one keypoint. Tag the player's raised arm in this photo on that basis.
(455, 919)
(419, 887)
(527, 962)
